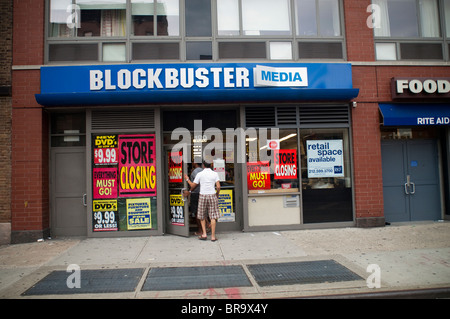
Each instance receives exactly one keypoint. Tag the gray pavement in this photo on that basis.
(409, 256)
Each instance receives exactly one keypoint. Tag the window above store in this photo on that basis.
(189, 30)
(411, 29)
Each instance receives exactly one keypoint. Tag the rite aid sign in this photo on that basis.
(436, 88)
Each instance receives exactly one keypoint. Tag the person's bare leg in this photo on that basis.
(199, 226)
(213, 229)
(203, 222)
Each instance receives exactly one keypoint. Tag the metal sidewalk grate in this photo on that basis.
(184, 278)
(306, 272)
(91, 281)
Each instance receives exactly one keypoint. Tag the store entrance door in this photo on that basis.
(68, 191)
(177, 210)
(203, 134)
(411, 184)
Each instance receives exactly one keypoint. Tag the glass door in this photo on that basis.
(177, 210)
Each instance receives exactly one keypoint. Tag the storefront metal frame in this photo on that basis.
(89, 199)
(298, 127)
(238, 200)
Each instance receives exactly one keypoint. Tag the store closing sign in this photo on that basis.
(325, 158)
(137, 171)
(285, 164)
(175, 167)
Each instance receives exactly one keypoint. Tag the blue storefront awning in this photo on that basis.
(195, 83)
(127, 98)
(415, 114)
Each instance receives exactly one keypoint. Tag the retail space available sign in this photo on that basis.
(194, 82)
(176, 205)
(139, 214)
(105, 215)
(325, 158)
(137, 165)
(285, 164)
(258, 175)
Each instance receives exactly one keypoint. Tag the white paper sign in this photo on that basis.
(325, 158)
(219, 168)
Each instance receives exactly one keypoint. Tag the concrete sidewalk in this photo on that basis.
(409, 256)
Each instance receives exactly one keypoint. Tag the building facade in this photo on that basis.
(315, 113)
(5, 120)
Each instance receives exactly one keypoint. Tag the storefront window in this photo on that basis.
(406, 19)
(87, 18)
(123, 182)
(115, 30)
(259, 17)
(318, 18)
(272, 165)
(164, 12)
(68, 129)
(447, 17)
(403, 28)
(326, 175)
(266, 17)
(228, 17)
(198, 18)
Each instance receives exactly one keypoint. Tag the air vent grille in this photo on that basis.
(123, 120)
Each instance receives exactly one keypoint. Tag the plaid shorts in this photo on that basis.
(208, 203)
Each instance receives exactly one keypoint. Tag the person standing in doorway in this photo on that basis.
(194, 196)
(208, 199)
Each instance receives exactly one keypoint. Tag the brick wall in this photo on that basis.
(5, 159)
(30, 173)
(5, 119)
(359, 38)
(374, 83)
(29, 183)
(28, 41)
(5, 41)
